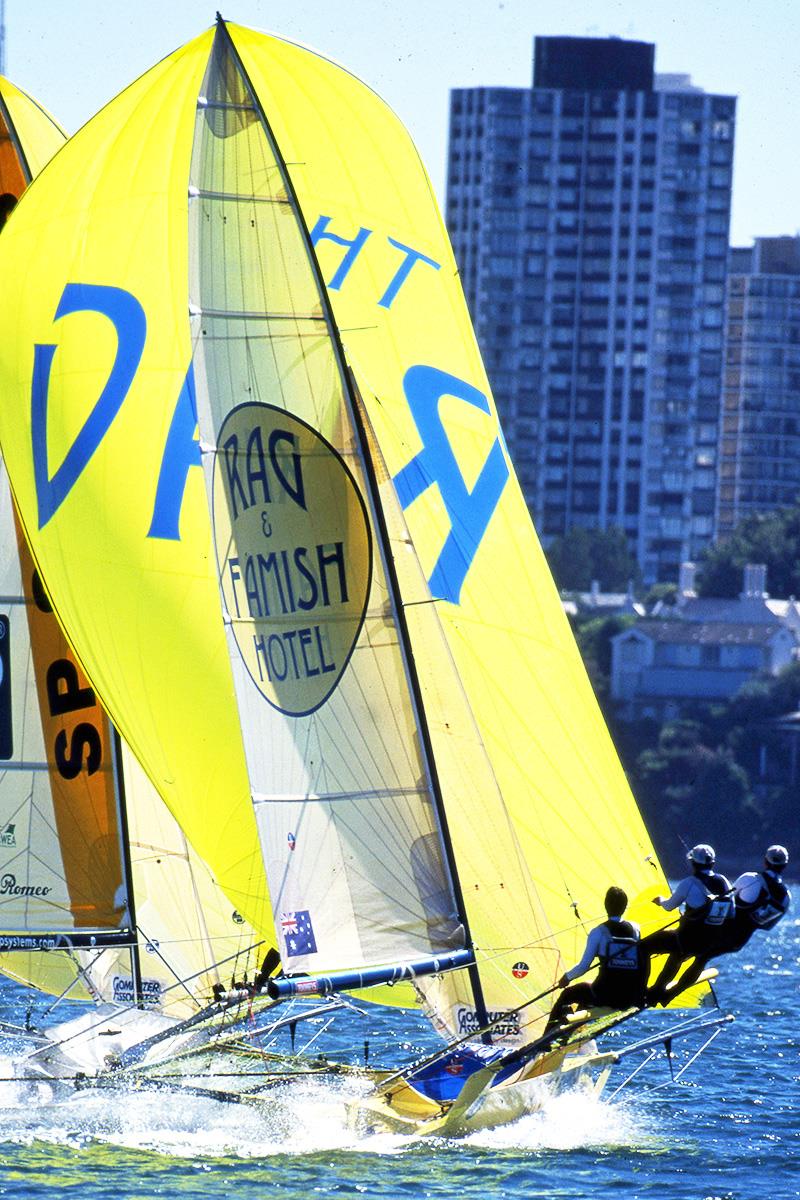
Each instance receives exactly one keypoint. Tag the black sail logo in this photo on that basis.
(294, 554)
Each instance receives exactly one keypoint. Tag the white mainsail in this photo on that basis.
(339, 779)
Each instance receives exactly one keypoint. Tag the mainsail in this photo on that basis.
(81, 827)
(336, 649)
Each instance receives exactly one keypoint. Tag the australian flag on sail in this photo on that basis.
(298, 933)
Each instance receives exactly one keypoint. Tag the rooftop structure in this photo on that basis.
(702, 649)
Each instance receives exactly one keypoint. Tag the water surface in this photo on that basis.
(730, 1130)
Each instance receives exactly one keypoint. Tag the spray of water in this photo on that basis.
(299, 1119)
(572, 1120)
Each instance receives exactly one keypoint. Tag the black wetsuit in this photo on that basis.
(621, 979)
(700, 935)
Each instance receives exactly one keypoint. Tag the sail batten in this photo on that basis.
(234, 197)
(230, 314)
(334, 797)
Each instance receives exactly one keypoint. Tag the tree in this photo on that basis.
(661, 593)
(765, 697)
(583, 555)
(702, 779)
(693, 793)
(594, 642)
(570, 560)
(770, 538)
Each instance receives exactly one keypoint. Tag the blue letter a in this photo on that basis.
(469, 511)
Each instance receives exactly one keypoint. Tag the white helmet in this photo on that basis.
(777, 857)
(702, 855)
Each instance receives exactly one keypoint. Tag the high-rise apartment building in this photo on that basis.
(760, 444)
(589, 216)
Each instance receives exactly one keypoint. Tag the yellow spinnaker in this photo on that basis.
(152, 652)
(188, 924)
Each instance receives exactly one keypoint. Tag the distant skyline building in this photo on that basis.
(589, 216)
(760, 442)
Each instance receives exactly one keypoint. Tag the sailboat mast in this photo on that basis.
(416, 691)
(127, 871)
(383, 538)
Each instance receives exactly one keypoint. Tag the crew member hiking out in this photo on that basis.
(708, 911)
(761, 897)
(622, 976)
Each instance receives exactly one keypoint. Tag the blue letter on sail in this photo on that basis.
(469, 511)
(127, 316)
(181, 452)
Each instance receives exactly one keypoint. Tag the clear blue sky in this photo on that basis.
(74, 55)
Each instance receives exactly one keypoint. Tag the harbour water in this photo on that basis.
(730, 1130)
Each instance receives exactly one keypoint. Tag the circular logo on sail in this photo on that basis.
(294, 554)
(520, 970)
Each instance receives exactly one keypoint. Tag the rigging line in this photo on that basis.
(82, 973)
(676, 1078)
(393, 816)
(640, 1066)
(359, 418)
(382, 738)
(216, 965)
(200, 913)
(318, 1034)
(118, 1011)
(390, 815)
(524, 874)
(224, 1035)
(153, 947)
(498, 1020)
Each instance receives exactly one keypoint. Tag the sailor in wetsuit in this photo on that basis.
(708, 910)
(762, 898)
(622, 977)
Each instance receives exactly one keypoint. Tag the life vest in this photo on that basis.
(719, 905)
(770, 904)
(621, 979)
(621, 952)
